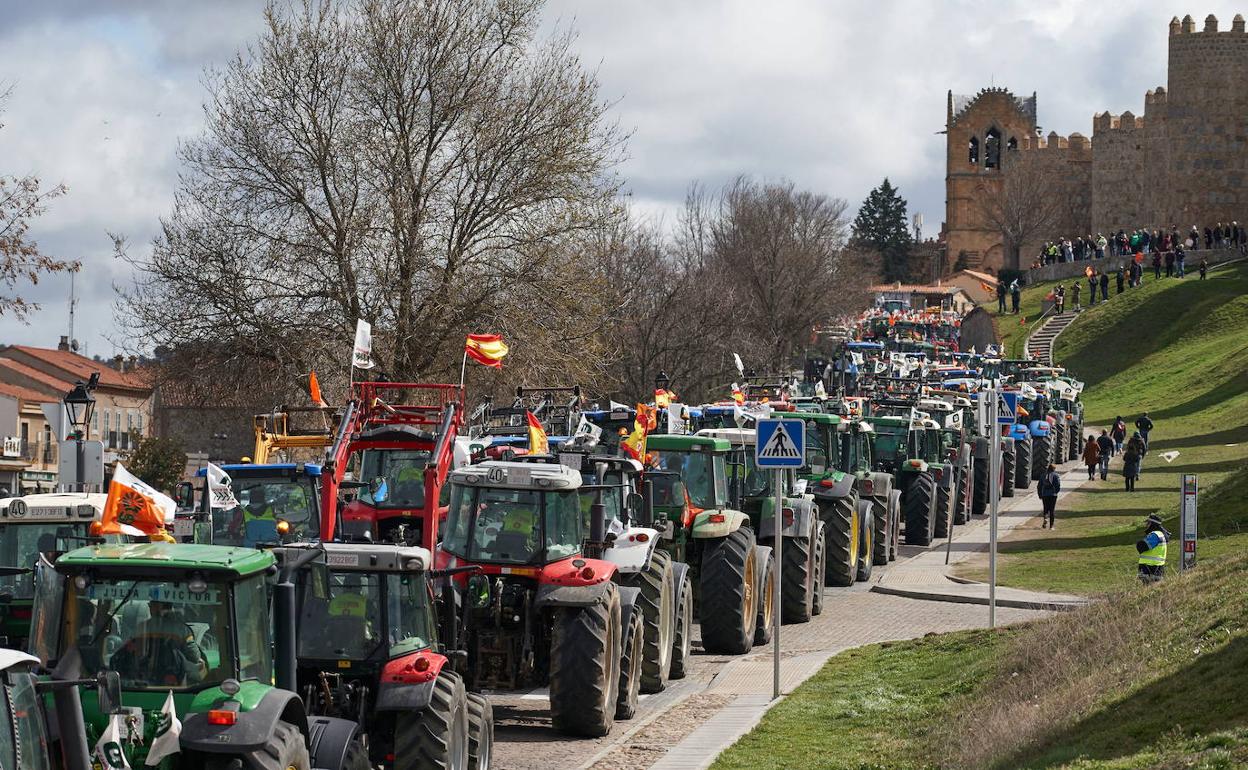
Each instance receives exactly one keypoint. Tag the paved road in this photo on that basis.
(851, 617)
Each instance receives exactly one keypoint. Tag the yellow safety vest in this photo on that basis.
(265, 514)
(520, 521)
(1155, 556)
(348, 604)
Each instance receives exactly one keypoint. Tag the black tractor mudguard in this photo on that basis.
(250, 732)
(328, 741)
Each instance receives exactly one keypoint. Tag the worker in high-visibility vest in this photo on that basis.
(1152, 550)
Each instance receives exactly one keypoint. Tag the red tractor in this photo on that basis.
(397, 441)
(542, 608)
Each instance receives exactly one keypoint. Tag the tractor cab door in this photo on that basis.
(46, 612)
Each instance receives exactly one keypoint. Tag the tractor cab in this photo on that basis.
(689, 475)
(38, 525)
(203, 625)
(273, 504)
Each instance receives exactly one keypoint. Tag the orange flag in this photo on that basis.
(487, 349)
(134, 508)
(539, 444)
(314, 389)
(986, 288)
(662, 397)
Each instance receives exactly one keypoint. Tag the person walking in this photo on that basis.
(1016, 295)
(1118, 433)
(1050, 486)
(1157, 266)
(1091, 456)
(1194, 238)
(1074, 295)
(1131, 457)
(1104, 287)
(1152, 550)
(1204, 269)
(1106, 445)
(1144, 425)
(1000, 297)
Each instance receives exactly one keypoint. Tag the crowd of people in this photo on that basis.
(1169, 264)
(1098, 450)
(1143, 241)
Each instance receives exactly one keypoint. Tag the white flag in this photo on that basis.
(586, 430)
(220, 491)
(168, 728)
(880, 366)
(953, 420)
(361, 354)
(736, 359)
(108, 751)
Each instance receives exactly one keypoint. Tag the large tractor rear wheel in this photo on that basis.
(585, 666)
(1041, 454)
(821, 567)
(919, 507)
(657, 600)
(1059, 436)
(480, 732)
(285, 749)
(1008, 456)
(1075, 448)
(944, 505)
(840, 521)
(437, 736)
(766, 558)
(728, 598)
(1022, 464)
(866, 542)
(630, 664)
(882, 523)
(980, 490)
(797, 598)
(682, 634)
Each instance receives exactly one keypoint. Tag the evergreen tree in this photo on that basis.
(882, 227)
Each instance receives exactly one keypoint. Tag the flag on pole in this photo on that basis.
(538, 442)
(133, 507)
(587, 431)
(108, 752)
(663, 397)
(737, 396)
(168, 728)
(314, 389)
(362, 352)
(736, 359)
(635, 442)
(487, 349)
(220, 489)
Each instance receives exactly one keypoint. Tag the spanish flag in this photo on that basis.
(987, 288)
(635, 443)
(538, 443)
(134, 508)
(488, 349)
(737, 395)
(663, 397)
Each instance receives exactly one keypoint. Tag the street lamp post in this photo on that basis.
(661, 381)
(79, 404)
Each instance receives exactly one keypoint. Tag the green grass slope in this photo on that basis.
(1154, 677)
(1176, 349)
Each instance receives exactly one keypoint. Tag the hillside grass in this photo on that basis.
(1014, 329)
(1175, 348)
(1153, 678)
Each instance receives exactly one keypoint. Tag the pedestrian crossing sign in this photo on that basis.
(1007, 407)
(781, 444)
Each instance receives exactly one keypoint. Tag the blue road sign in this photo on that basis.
(781, 444)
(1007, 407)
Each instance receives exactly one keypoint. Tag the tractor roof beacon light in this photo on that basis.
(79, 403)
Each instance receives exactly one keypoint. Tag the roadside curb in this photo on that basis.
(938, 596)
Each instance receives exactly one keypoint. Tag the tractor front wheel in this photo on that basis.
(437, 736)
(585, 666)
(821, 568)
(765, 557)
(480, 732)
(1007, 471)
(883, 531)
(656, 601)
(1022, 464)
(631, 663)
(979, 493)
(798, 595)
(728, 597)
(284, 749)
(1041, 456)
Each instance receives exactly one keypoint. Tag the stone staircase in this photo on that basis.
(1040, 343)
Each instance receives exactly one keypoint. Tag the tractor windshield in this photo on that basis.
(366, 613)
(705, 476)
(21, 544)
(821, 449)
(516, 526)
(610, 495)
(262, 504)
(162, 635)
(404, 472)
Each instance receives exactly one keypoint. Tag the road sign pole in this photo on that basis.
(994, 457)
(778, 518)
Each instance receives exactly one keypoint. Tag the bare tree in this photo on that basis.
(427, 165)
(1023, 202)
(23, 199)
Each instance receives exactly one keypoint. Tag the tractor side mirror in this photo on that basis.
(108, 692)
(184, 494)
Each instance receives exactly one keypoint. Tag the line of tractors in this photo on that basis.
(358, 611)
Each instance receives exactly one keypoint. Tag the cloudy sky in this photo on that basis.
(833, 94)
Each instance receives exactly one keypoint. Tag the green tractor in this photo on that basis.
(904, 448)
(801, 594)
(689, 492)
(190, 623)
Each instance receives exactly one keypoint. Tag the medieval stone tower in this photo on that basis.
(1183, 162)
